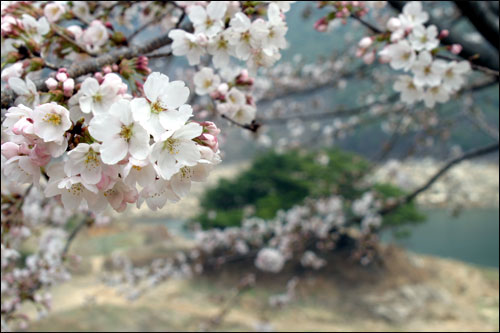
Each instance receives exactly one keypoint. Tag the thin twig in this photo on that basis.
(466, 156)
(84, 221)
(253, 126)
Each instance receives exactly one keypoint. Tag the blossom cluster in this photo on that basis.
(108, 143)
(232, 93)
(304, 234)
(413, 47)
(225, 29)
(340, 11)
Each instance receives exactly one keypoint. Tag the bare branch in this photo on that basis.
(466, 156)
(95, 64)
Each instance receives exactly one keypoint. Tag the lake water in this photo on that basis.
(471, 237)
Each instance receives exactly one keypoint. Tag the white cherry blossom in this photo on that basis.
(176, 150)
(401, 55)
(181, 181)
(424, 38)
(84, 160)
(22, 170)
(26, 91)
(119, 134)
(138, 172)
(157, 194)
(453, 76)
(53, 11)
(413, 15)
(185, 43)
(436, 94)
(36, 29)
(96, 98)
(270, 260)
(246, 35)
(164, 107)
(209, 20)
(410, 92)
(428, 71)
(220, 49)
(206, 81)
(51, 121)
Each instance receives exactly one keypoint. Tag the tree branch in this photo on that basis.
(95, 64)
(466, 156)
(483, 18)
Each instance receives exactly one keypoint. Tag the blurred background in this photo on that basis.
(441, 253)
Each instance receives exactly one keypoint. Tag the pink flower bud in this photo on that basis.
(123, 89)
(23, 126)
(223, 88)
(76, 31)
(24, 149)
(456, 48)
(10, 149)
(210, 127)
(51, 83)
(106, 69)
(365, 42)
(40, 155)
(99, 77)
(61, 76)
(393, 24)
(68, 87)
(321, 25)
(210, 141)
(369, 58)
(444, 33)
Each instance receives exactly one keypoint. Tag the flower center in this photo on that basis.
(207, 84)
(156, 107)
(222, 44)
(97, 98)
(209, 22)
(91, 160)
(186, 172)
(109, 192)
(427, 70)
(126, 132)
(53, 118)
(245, 36)
(136, 167)
(76, 189)
(171, 145)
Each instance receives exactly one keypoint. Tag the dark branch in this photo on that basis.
(466, 156)
(483, 18)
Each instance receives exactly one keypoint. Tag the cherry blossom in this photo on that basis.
(270, 260)
(428, 71)
(176, 149)
(119, 134)
(206, 81)
(85, 161)
(53, 11)
(26, 91)
(209, 20)
(410, 92)
(97, 98)
(185, 43)
(51, 121)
